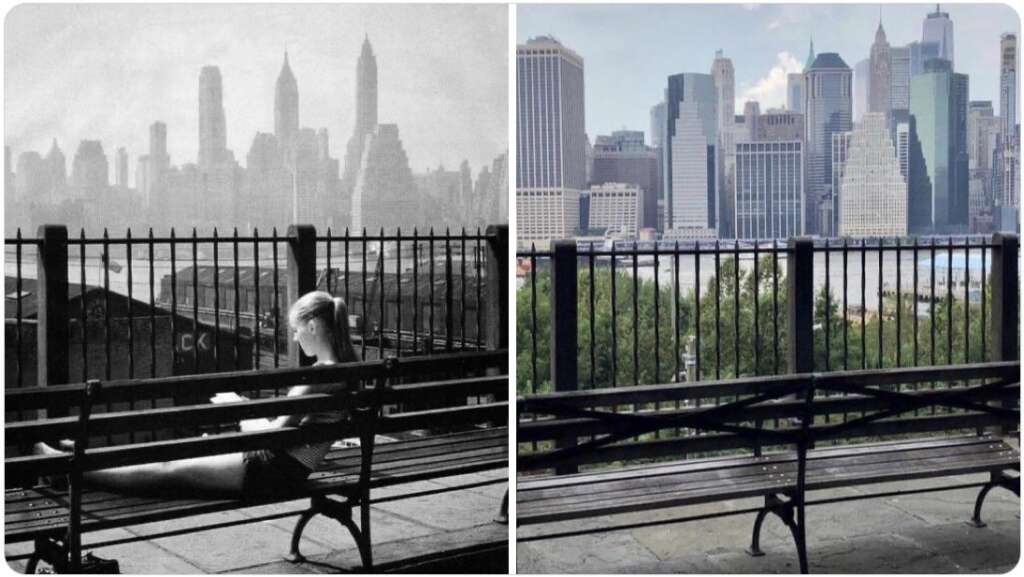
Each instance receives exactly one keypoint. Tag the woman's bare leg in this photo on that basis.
(217, 474)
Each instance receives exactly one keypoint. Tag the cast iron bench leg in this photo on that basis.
(784, 511)
(998, 480)
(342, 513)
(502, 517)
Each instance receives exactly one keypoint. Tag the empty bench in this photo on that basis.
(775, 438)
(466, 412)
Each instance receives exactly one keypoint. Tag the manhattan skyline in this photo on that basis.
(629, 52)
(107, 72)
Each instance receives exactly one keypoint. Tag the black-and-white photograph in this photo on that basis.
(256, 288)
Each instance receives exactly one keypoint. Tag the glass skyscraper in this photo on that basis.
(827, 106)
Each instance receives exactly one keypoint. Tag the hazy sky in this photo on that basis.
(628, 51)
(75, 72)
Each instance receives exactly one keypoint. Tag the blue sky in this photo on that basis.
(629, 50)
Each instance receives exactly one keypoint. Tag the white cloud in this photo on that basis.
(770, 90)
(774, 24)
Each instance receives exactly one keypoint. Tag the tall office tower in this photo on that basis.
(212, 127)
(827, 110)
(873, 192)
(840, 151)
(861, 88)
(614, 208)
(751, 119)
(658, 125)
(921, 52)
(366, 114)
(1008, 82)
(622, 157)
(1009, 169)
(938, 104)
(938, 29)
(769, 189)
(57, 173)
(795, 91)
(983, 128)
(384, 193)
(880, 88)
(286, 111)
(779, 125)
(689, 171)
(725, 92)
(121, 168)
(899, 69)
(90, 172)
(550, 139)
(810, 56)
(267, 182)
(151, 170)
(912, 166)
(30, 177)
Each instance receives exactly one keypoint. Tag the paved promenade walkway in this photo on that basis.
(922, 533)
(446, 532)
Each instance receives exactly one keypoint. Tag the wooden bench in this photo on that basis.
(753, 435)
(472, 437)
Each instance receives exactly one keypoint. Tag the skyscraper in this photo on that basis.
(286, 111)
(899, 70)
(56, 168)
(212, 126)
(384, 192)
(366, 114)
(90, 171)
(622, 157)
(795, 92)
(938, 29)
(121, 168)
(725, 92)
(1008, 82)
(827, 110)
(769, 188)
(861, 88)
(880, 89)
(873, 192)
(151, 170)
(550, 139)
(690, 141)
(1009, 169)
(938, 101)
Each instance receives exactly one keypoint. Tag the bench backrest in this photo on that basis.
(382, 383)
(753, 414)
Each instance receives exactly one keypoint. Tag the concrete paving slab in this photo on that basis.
(224, 549)
(612, 552)
(451, 511)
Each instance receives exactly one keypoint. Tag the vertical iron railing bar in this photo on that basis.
(327, 273)
(380, 298)
(366, 299)
(863, 303)
(462, 289)
(828, 314)
(348, 296)
(398, 292)
(479, 294)
(736, 308)
(757, 311)
(533, 312)
(917, 298)
(696, 310)
(636, 318)
(277, 301)
(415, 290)
(899, 305)
(195, 302)
(152, 315)
(131, 315)
(949, 303)
(931, 312)
(718, 315)
(675, 313)
(237, 293)
(775, 307)
(106, 304)
(174, 300)
(431, 341)
(216, 301)
(20, 378)
(984, 325)
(84, 317)
(615, 322)
(449, 299)
(881, 303)
(967, 300)
(657, 325)
(846, 307)
(590, 300)
(256, 328)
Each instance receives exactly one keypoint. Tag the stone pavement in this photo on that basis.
(445, 532)
(920, 533)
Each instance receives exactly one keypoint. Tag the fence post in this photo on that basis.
(1005, 281)
(52, 319)
(800, 304)
(497, 287)
(301, 278)
(564, 324)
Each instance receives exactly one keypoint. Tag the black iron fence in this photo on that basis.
(641, 313)
(83, 307)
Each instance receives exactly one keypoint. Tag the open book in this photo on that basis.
(227, 398)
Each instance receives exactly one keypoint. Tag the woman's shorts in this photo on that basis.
(269, 473)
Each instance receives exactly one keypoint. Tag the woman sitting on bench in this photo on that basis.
(320, 326)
